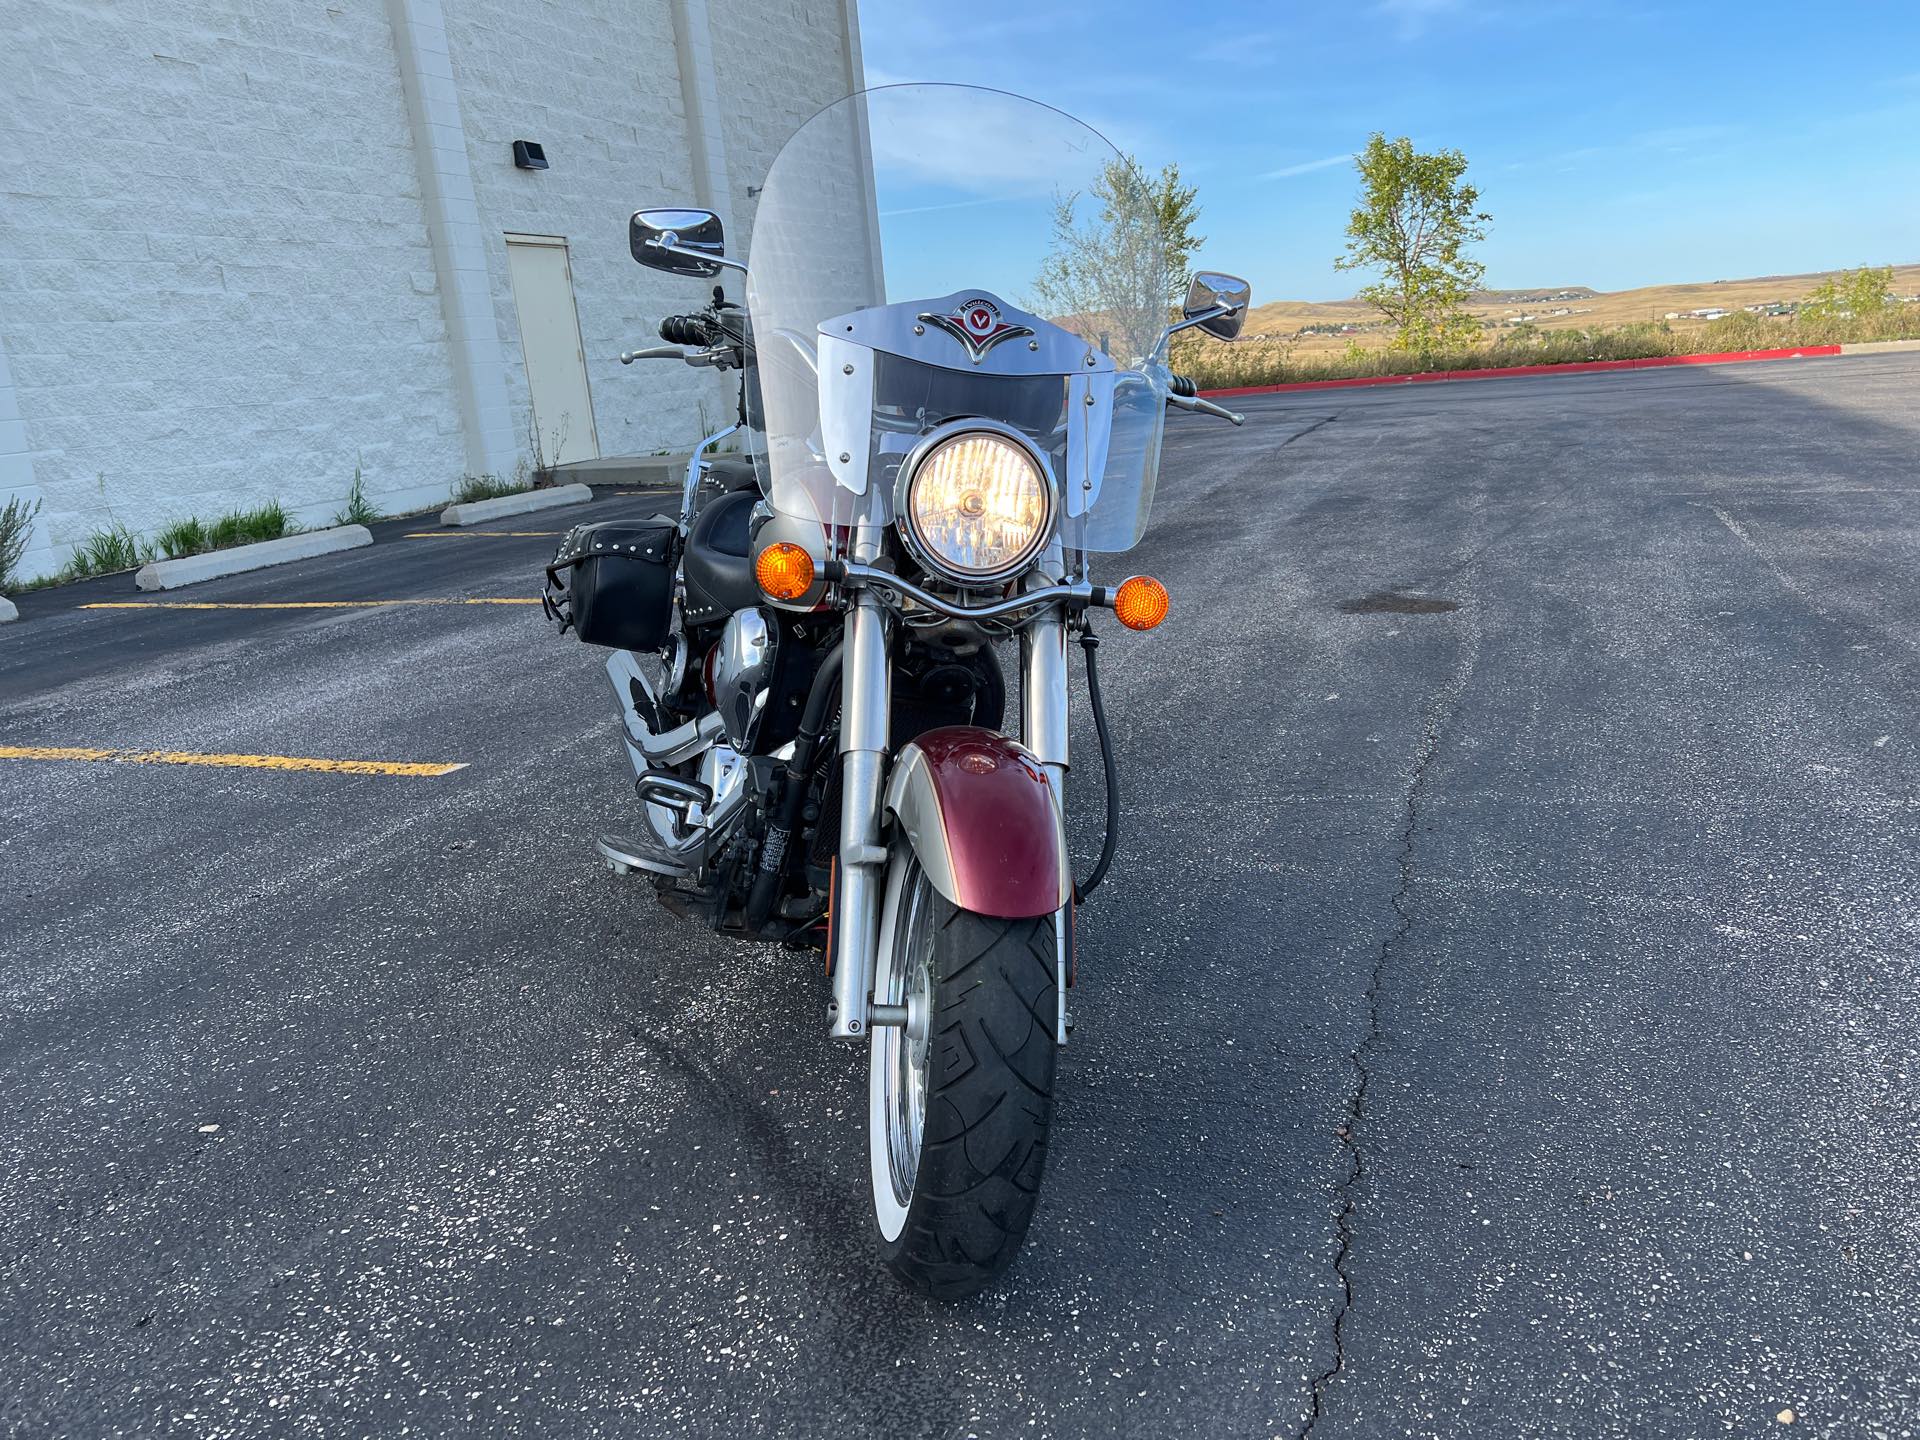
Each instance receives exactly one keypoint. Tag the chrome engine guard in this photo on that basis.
(677, 840)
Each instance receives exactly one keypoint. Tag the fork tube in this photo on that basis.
(1043, 696)
(865, 702)
(1043, 729)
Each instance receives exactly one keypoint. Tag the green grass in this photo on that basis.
(111, 548)
(182, 537)
(1266, 363)
(194, 536)
(115, 547)
(245, 527)
(359, 509)
(486, 487)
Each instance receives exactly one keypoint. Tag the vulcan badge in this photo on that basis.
(976, 324)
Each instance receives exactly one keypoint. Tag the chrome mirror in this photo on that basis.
(1217, 303)
(680, 242)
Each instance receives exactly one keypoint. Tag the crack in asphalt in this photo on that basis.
(1439, 713)
(1302, 434)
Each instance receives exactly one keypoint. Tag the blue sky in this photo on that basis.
(1614, 145)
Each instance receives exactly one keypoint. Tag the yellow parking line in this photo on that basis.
(239, 762)
(482, 534)
(299, 604)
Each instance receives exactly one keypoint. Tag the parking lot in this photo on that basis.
(1501, 1018)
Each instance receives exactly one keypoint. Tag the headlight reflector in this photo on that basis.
(977, 505)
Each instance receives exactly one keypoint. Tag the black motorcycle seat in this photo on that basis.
(733, 472)
(719, 559)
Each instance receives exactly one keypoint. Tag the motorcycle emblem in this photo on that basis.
(976, 324)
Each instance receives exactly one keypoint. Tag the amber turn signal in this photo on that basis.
(1140, 603)
(784, 570)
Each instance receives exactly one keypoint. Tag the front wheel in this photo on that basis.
(959, 1098)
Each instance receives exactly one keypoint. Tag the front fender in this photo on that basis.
(983, 821)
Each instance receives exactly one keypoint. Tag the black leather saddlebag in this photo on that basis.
(612, 583)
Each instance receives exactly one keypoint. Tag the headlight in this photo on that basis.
(976, 504)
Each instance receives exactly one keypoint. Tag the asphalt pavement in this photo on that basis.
(1500, 1019)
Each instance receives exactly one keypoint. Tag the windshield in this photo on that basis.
(872, 214)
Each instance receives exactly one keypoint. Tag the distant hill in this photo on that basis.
(1526, 297)
(1336, 323)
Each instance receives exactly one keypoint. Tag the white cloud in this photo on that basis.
(1413, 16)
(1306, 167)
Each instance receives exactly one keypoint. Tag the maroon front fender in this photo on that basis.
(983, 821)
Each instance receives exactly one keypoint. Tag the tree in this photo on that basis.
(1415, 220)
(1119, 268)
(1176, 207)
(1861, 293)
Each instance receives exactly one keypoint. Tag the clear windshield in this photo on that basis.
(925, 253)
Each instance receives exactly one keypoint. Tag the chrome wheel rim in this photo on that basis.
(900, 1068)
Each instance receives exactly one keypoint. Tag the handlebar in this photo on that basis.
(689, 330)
(1185, 394)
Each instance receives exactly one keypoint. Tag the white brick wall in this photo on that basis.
(457, 234)
(17, 482)
(215, 285)
(217, 279)
(791, 57)
(595, 82)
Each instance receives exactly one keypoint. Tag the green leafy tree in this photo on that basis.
(1863, 294)
(1176, 207)
(1135, 242)
(1416, 217)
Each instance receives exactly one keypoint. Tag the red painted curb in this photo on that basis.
(1580, 367)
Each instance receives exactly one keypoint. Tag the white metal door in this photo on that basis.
(550, 342)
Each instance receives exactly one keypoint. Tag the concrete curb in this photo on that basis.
(1578, 367)
(191, 569)
(475, 512)
(639, 472)
(8, 610)
(1880, 347)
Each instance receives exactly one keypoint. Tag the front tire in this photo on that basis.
(960, 1098)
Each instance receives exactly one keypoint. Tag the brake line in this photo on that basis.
(1081, 889)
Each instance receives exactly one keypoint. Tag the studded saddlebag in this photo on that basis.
(612, 583)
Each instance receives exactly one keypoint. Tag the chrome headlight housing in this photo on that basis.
(975, 502)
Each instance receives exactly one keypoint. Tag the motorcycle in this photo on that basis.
(806, 657)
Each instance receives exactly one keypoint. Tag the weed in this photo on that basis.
(16, 527)
(111, 548)
(545, 471)
(359, 509)
(244, 527)
(182, 537)
(486, 487)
